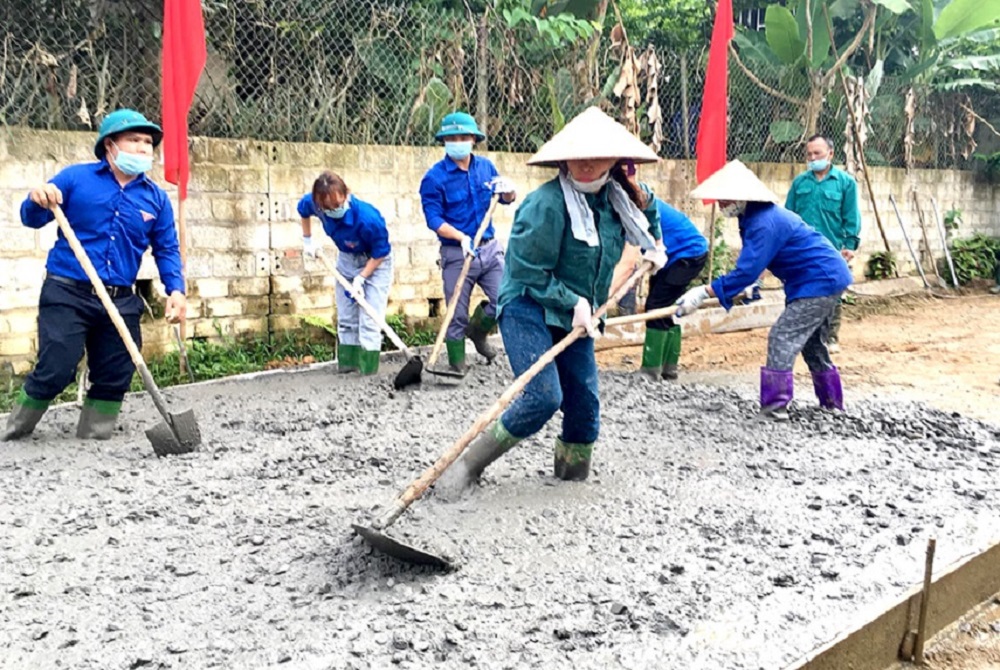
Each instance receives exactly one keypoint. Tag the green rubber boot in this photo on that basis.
(671, 353)
(24, 416)
(456, 355)
(348, 357)
(479, 328)
(97, 419)
(572, 462)
(652, 352)
(463, 474)
(368, 362)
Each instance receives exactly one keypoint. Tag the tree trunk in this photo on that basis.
(482, 77)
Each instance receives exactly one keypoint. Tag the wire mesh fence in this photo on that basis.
(386, 71)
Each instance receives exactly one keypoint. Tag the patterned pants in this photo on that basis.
(803, 326)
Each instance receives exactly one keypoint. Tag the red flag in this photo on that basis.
(710, 147)
(183, 60)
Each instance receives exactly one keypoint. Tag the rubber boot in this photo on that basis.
(671, 353)
(368, 362)
(652, 352)
(463, 474)
(24, 416)
(828, 389)
(572, 461)
(456, 355)
(97, 419)
(479, 328)
(776, 390)
(348, 357)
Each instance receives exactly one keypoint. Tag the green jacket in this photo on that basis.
(830, 206)
(546, 263)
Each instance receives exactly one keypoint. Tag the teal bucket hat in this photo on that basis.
(459, 123)
(121, 120)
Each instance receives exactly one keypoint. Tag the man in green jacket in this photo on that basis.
(827, 199)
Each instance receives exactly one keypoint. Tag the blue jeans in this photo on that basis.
(569, 383)
(354, 326)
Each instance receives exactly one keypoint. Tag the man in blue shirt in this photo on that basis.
(814, 275)
(117, 212)
(455, 195)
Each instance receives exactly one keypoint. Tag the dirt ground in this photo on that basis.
(973, 644)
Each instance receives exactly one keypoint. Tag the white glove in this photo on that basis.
(310, 249)
(691, 300)
(467, 246)
(501, 185)
(358, 284)
(657, 256)
(583, 315)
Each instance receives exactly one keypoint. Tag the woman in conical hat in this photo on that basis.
(566, 239)
(813, 272)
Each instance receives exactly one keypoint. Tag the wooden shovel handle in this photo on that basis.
(457, 291)
(431, 474)
(368, 308)
(109, 305)
(660, 313)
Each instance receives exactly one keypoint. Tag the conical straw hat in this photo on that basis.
(734, 181)
(592, 134)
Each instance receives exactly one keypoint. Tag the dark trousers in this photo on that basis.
(669, 284)
(72, 319)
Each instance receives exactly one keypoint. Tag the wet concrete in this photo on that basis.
(703, 539)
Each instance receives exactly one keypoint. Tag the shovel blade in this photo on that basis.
(445, 372)
(399, 550)
(180, 436)
(410, 374)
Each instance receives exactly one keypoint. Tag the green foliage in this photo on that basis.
(557, 29)
(988, 166)
(961, 17)
(952, 220)
(675, 25)
(975, 257)
(881, 265)
(412, 337)
(785, 131)
(782, 34)
(722, 255)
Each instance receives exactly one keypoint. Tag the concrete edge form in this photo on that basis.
(876, 645)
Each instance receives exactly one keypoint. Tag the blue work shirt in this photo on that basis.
(680, 236)
(778, 240)
(461, 198)
(362, 229)
(115, 225)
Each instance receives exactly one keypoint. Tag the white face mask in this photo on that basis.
(590, 186)
(733, 209)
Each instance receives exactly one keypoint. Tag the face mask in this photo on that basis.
(340, 211)
(458, 150)
(132, 164)
(819, 164)
(590, 186)
(733, 209)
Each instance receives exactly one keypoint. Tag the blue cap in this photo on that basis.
(459, 123)
(121, 120)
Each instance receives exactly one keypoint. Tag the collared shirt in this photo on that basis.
(362, 229)
(115, 225)
(778, 240)
(458, 197)
(829, 205)
(680, 236)
(547, 264)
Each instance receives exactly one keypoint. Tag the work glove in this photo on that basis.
(310, 249)
(751, 293)
(657, 256)
(359, 286)
(467, 246)
(583, 315)
(501, 185)
(691, 300)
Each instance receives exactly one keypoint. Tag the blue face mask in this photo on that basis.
(458, 150)
(340, 211)
(818, 165)
(132, 164)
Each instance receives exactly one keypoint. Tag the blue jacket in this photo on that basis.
(449, 194)
(362, 230)
(680, 236)
(115, 225)
(778, 240)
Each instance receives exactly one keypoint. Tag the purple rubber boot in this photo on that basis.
(776, 388)
(828, 389)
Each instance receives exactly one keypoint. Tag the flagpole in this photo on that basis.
(182, 241)
(711, 245)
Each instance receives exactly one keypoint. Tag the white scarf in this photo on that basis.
(581, 217)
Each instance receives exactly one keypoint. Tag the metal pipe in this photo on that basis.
(909, 246)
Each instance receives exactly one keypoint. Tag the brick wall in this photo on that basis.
(245, 269)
